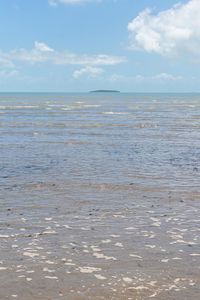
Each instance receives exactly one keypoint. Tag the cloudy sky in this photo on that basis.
(81, 45)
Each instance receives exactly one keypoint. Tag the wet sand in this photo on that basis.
(119, 221)
(141, 248)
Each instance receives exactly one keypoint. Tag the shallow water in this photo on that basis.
(99, 196)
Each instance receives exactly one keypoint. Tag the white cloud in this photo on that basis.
(175, 31)
(5, 63)
(162, 77)
(123, 78)
(88, 71)
(70, 2)
(66, 58)
(42, 53)
(166, 77)
(7, 67)
(42, 47)
(117, 77)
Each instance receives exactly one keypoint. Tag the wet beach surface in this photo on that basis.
(99, 197)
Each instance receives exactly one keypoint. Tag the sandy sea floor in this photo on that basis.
(145, 244)
(97, 204)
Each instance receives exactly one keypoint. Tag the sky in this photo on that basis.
(83, 45)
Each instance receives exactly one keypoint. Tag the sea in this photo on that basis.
(99, 196)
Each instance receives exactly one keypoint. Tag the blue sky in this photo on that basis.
(81, 45)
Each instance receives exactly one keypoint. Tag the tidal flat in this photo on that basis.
(99, 196)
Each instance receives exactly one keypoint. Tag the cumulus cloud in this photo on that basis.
(88, 71)
(70, 2)
(171, 32)
(42, 53)
(42, 47)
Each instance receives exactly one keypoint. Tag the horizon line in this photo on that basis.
(89, 92)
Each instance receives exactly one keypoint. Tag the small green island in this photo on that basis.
(105, 91)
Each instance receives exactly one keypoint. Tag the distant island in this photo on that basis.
(105, 91)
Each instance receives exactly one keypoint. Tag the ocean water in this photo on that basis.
(101, 138)
(99, 196)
